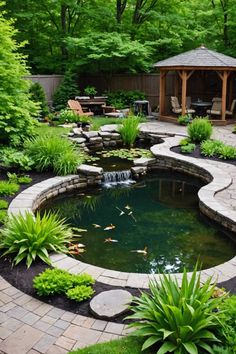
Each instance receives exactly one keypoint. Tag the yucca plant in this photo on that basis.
(129, 130)
(48, 153)
(30, 236)
(180, 319)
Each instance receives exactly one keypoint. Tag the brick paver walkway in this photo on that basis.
(29, 326)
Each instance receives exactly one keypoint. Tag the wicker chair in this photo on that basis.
(216, 107)
(232, 109)
(176, 106)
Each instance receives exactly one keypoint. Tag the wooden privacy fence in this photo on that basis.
(148, 83)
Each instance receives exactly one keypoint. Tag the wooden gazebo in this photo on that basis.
(192, 62)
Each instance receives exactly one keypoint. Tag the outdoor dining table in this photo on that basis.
(201, 107)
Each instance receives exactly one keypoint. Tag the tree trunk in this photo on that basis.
(120, 8)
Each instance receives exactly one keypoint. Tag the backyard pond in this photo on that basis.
(151, 226)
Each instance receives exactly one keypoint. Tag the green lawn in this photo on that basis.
(43, 129)
(127, 345)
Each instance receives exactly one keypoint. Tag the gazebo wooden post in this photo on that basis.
(224, 92)
(184, 91)
(162, 92)
(231, 88)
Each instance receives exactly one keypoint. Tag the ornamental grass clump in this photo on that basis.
(129, 130)
(51, 152)
(28, 237)
(178, 319)
(199, 130)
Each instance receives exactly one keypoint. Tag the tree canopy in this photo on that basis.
(118, 35)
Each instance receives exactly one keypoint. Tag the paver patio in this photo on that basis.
(29, 326)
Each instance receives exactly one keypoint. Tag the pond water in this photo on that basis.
(159, 215)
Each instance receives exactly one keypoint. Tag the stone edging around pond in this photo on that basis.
(31, 198)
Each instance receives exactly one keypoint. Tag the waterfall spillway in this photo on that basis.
(117, 177)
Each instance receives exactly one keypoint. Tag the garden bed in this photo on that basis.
(197, 154)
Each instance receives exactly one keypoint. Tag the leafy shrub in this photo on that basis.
(228, 317)
(184, 141)
(122, 98)
(184, 120)
(182, 319)
(187, 149)
(129, 130)
(50, 152)
(3, 216)
(12, 158)
(29, 237)
(227, 152)
(68, 89)
(211, 148)
(16, 108)
(67, 115)
(200, 129)
(80, 293)
(13, 178)
(38, 95)
(3, 204)
(57, 281)
(90, 91)
(8, 188)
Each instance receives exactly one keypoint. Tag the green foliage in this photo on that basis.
(184, 141)
(129, 130)
(123, 99)
(68, 116)
(216, 148)
(187, 149)
(181, 319)
(211, 148)
(12, 158)
(28, 237)
(16, 107)
(50, 152)
(80, 293)
(3, 216)
(3, 204)
(227, 152)
(90, 91)
(67, 89)
(109, 52)
(57, 281)
(8, 188)
(199, 130)
(38, 95)
(13, 178)
(184, 120)
(97, 122)
(228, 318)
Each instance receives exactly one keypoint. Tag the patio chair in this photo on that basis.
(232, 109)
(75, 106)
(216, 107)
(176, 106)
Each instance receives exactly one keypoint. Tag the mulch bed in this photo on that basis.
(22, 278)
(197, 154)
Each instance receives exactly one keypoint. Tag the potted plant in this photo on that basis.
(90, 91)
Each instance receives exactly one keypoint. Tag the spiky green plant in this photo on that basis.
(180, 319)
(199, 130)
(129, 130)
(28, 236)
(51, 152)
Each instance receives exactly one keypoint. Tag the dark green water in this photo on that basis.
(165, 218)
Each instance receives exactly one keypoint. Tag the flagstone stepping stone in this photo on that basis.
(109, 304)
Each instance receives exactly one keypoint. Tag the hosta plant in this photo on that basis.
(187, 149)
(8, 188)
(211, 148)
(28, 237)
(180, 319)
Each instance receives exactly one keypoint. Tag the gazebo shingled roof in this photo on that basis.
(199, 57)
(187, 63)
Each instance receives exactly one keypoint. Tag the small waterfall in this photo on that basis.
(114, 178)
